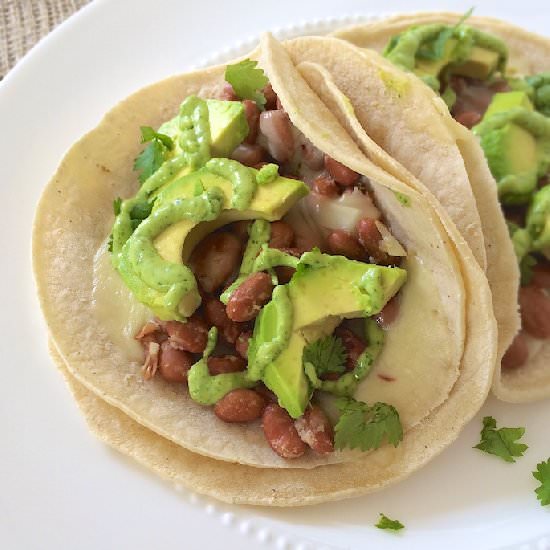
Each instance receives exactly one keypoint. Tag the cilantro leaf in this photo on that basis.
(247, 80)
(326, 355)
(501, 442)
(152, 157)
(436, 49)
(386, 523)
(148, 134)
(365, 427)
(542, 474)
(139, 212)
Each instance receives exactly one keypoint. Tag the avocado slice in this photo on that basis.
(271, 201)
(228, 127)
(324, 290)
(511, 150)
(481, 62)
(505, 101)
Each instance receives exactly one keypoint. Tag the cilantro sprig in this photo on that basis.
(542, 474)
(247, 80)
(391, 524)
(152, 157)
(436, 49)
(365, 427)
(327, 355)
(501, 442)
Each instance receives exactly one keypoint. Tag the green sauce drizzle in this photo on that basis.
(208, 389)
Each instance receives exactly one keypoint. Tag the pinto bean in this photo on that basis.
(325, 185)
(214, 259)
(241, 345)
(468, 118)
(345, 244)
(222, 364)
(353, 345)
(370, 238)
(541, 276)
(266, 393)
(315, 429)
(248, 154)
(240, 229)
(282, 235)
(270, 97)
(252, 114)
(215, 315)
(174, 363)
(240, 405)
(276, 127)
(284, 274)
(247, 300)
(190, 336)
(535, 311)
(517, 354)
(227, 93)
(341, 174)
(280, 432)
(389, 313)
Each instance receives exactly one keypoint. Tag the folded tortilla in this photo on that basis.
(442, 349)
(528, 54)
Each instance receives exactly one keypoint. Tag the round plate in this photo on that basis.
(61, 488)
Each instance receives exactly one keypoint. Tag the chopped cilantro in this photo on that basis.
(327, 355)
(148, 134)
(436, 49)
(501, 442)
(247, 80)
(364, 427)
(152, 157)
(386, 523)
(139, 212)
(542, 474)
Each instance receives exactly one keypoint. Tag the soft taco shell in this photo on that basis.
(74, 218)
(528, 54)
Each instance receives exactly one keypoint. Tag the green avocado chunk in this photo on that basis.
(227, 122)
(538, 220)
(324, 290)
(505, 101)
(479, 62)
(269, 202)
(516, 143)
(435, 51)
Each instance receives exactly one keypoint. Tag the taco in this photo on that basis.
(268, 300)
(494, 79)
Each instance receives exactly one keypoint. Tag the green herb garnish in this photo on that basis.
(436, 49)
(366, 427)
(247, 80)
(391, 524)
(542, 474)
(152, 157)
(501, 442)
(327, 355)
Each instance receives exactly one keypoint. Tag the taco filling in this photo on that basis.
(509, 113)
(268, 267)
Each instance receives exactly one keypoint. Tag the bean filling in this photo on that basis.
(172, 347)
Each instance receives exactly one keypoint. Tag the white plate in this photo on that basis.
(60, 488)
